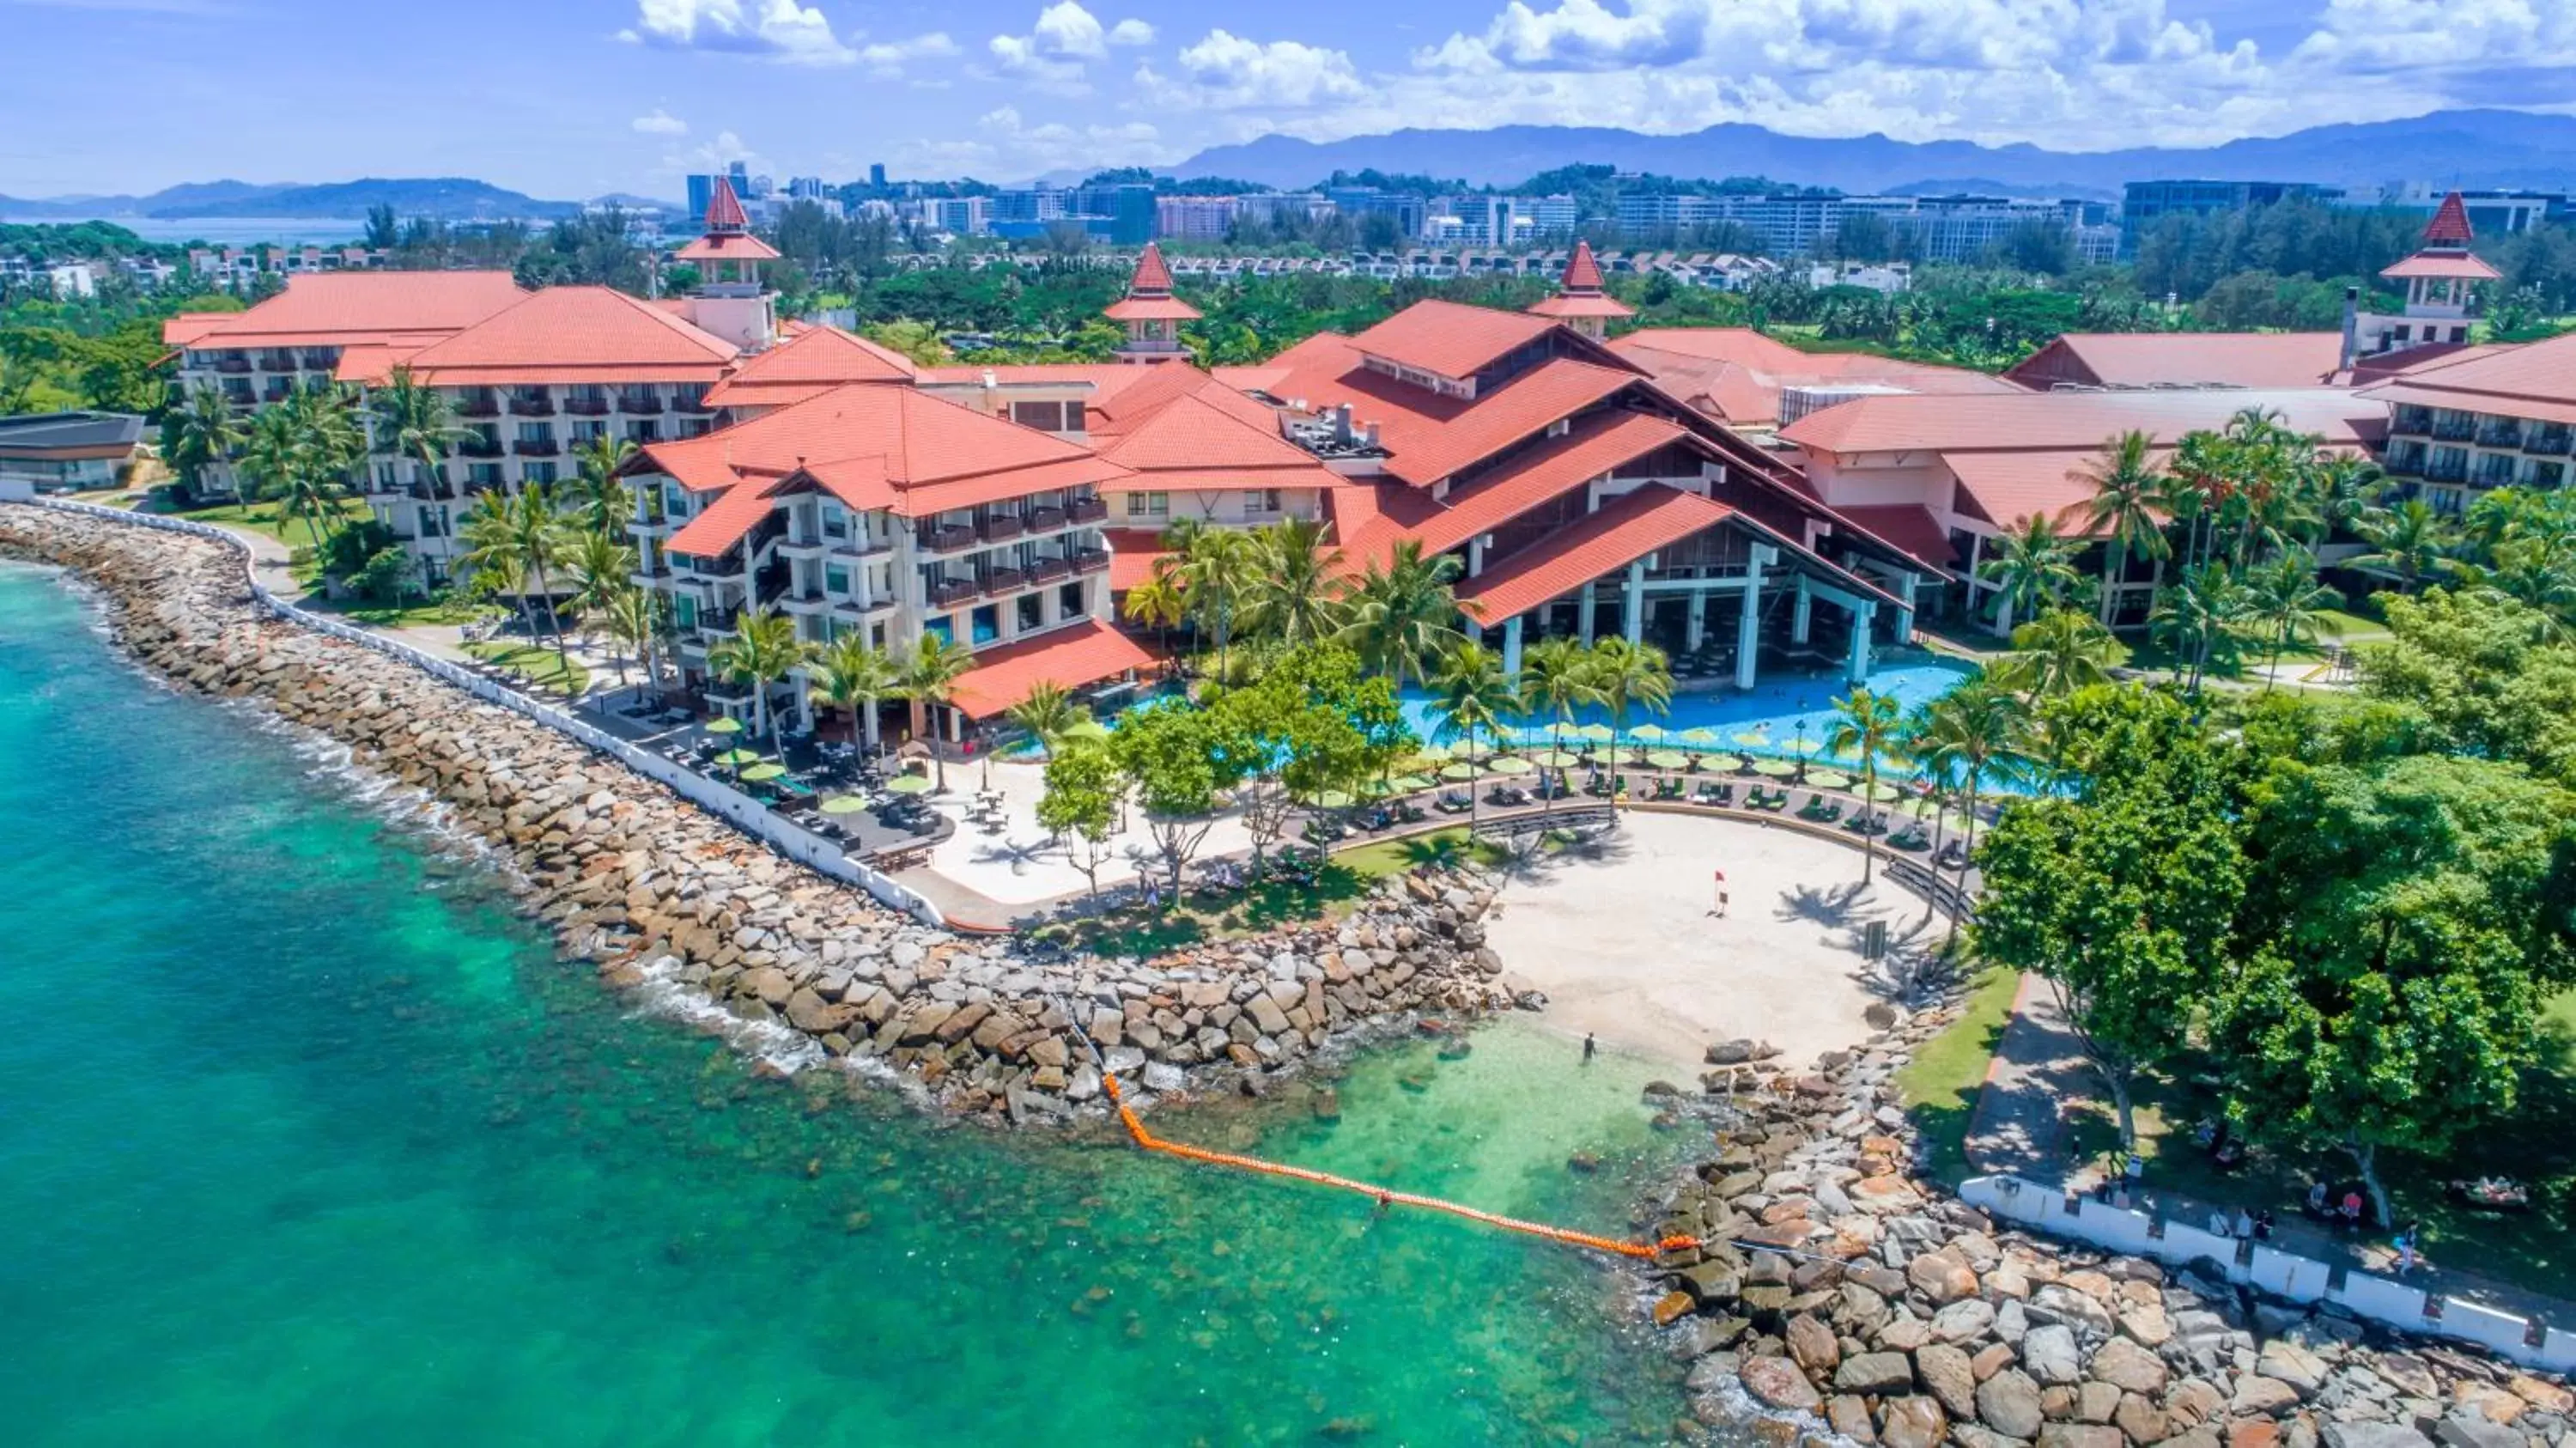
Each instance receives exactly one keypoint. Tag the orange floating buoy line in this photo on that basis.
(1383, 1196)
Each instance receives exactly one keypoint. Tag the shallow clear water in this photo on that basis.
(1774, 708)
(305, 1138)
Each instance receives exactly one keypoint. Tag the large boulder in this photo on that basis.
(1875, 1373)
(2373, 1435)
(2125, 1365)
(1912, 1422)
(2049, 1354)
(2008, 1402)
(2290, 1363)
(1778, 1383)
(1812, 1344)
(1964, 1321)
(1948, 1376)
(1942, 1277)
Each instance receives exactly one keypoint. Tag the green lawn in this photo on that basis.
(443, 609)
(540, 667)
(266, 518)
(1939, 1086)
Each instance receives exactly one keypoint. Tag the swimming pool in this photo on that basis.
(1773, 709)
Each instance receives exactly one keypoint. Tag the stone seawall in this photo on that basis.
(650, 889)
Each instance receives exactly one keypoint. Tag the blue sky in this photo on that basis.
(578, 97)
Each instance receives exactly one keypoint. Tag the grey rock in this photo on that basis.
(1949, 1377)
(2373, 1435)
(2049, 1355)
(2125, 1365)
(2009, 1404)
(1776, 1382)
(1877, 1373)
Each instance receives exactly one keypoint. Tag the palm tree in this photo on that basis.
(763, 649)
(414, 421)
(514, 540)
(2033, 568)
(200, 432)
(1865, 723)
(1291, 596)
(1977, 725)
(2410, 540)
(633, 618)
(1629, 674)
(2346, 487)
(2126, 484)
(271, 455)
(603, 498)
(600, 565)
(850, 675)
(1557, 677)
(1048, 714)
(1158, 602)
(2196, 615)
(1936, 759)
(927, 677)
(1403, 616)
(2287, 599)
(1472, 694)
(2057, 653)
(1213, 566)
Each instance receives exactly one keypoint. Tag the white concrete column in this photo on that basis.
(1906, 582)
(1586, 620)
(1696, 632)
(1802, 617)
(1856, 669)
(1512, 648)
(1632, 620)
(1748, 629)
(1475, 556)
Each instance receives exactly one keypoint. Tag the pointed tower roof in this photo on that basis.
(1580, 292)
(2450, 224)
(728, 236)
(1149, 294)
(724, 209)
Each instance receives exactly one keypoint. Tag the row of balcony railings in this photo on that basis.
(949, 590)
(583, 405)
(1003, 524)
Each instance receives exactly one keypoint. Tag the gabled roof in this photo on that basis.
(2459, 264)
(575, 335)
(724, 208)
(1068, 658)
(725, 520)
(1149, 294)
(815, 362)
(1556, 467)
(2192, 359)
(2044, 421)
(2535, 380)
(1194, 442)
(2450, 224)
(1450, 338)
(2006, 487)
(332, 309)
(1557, 388)
(1579, 292)
(1737, 374)
(1623, 530)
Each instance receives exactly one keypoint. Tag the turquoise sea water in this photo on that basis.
(305, 1139)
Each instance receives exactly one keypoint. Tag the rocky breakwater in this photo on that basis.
(659, 896)
(1844, 1294)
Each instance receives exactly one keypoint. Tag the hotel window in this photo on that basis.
(537, 473)
(538, 433)
(986, 623)
(684, 611)
(586, 433)
(430, 524)
(1048, 416)
(1260, 502)
(1069, 601)
(483, 475)
(643, 431)
(836, 580)
(1149, 505)
(941, 628)
(1031, 608)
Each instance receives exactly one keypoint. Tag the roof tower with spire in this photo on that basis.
(1152, 315)
(1582, 299)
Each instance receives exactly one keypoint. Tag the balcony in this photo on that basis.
(532, 407)
(281, 362)
(277, 392)
(478, 447)
(719, 620)
(795, 546)
(808, 601)
(637, 402)
(235, 363)
(947, 538)
(1046, 520)
(586, 406)
(1005, 580)
(1050, 570)
(321, 361)
(650, 575)
(2507, 435)
(542, 448)
(2459, 431)
(695, 406)
(861, 545)
(478, 407)
(2549, 441)
(2447, 470)
(1091, 560)
(949, 592)
(1000, 526)
(1086, 510)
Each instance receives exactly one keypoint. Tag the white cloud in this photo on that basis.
(778, 29)
(1131, 32)
(715, 155)
(889, 57)
(1064, 39)
(661, 123)
(1019, 148)
(2383, 35)
(1224, 71)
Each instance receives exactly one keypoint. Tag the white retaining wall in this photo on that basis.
(2274, 1272)
(741, 810)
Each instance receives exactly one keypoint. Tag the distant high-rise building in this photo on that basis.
(876, 175)
(805, 188)
(2143, 203)
(702, 189)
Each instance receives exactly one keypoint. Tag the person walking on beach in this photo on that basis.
(1720, 911)
(1587, 1048)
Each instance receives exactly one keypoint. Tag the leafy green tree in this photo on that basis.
(764, 649)
(1081, 806)
(1291, 596)
(2126, 483)
(1865, 724)
(849, 675)
(1213, 567)
(2033, 568)
(2286, 601)
(2484, 676)
(2199, 617)
(2408, 539)
(1048, 714)
(512, 541)
(2121, 896)
(1403, 614)
(1178, 762)
(202, 431)
(2057, 653)
(2401, 923)
(414, 421)
(1472, 696)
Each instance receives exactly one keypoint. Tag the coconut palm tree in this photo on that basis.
(1048, 714)
(2058, 652)
(2409, 539)
(762, 650)
(1403, 615)
(2288, 602)
(2033, 568)
(1471, 694)
(850, 675)
(1978, 725)
(1213, 568)
(2197, 616)
(1157, 602)
(632, 617)
(1557, 677)
(1628, 675)
(1866, 724)
(518, 540)
(2126, 481)
(600, 564)
(200, 432)
(1291, 595)
(415, 422)
(1936, 762)
(605, 503)
(927, 676)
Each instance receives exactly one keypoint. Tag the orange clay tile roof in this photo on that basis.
(2450, 224)
(1525, 405)
(1133, 553)
(1556, 467)
(330, 309)
(1150, 309)
(2196, 359)
(1069, 658)
(1736, 374)
(2006, 487)
(1196, 441)
(724, 208)
(1150, 275)
(738, 246)
(2043, 421)
(815, 362)
(574, 335)
(1624, 529)
(2436, 264)
(1450, 338)
(2533, 380)
(1369, 519)
(725, 520)
(1582, 273)
(1908, 526)
(1596, 305)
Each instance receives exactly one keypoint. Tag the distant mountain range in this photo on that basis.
(448, 198)
(2470, 148)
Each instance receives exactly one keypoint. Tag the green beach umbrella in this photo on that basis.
(1458, 771)
(1432, 753)
(726, 725)
(1334, 799)
(737, 758)
(1807, 746)
(1668, 759)
(1699, 738)
(844, 804)
(759, 772)
(1751, 739)
(1776, 768)
(1408, 783)
(1509, 764)
(1827, 779)
(1883, 792)
(1559, 759)
(1597, 733)
(909, 784)
(1651, 733)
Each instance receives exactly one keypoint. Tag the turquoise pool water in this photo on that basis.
(1775, 708)
(305, 1138)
